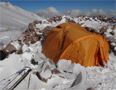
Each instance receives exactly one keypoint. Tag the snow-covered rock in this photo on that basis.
(71, 76)
(65, 65)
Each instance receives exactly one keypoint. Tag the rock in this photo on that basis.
(3, 55)
(10, 49)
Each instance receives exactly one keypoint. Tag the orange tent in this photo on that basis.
(72, 42)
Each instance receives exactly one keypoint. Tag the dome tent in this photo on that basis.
(72, 42)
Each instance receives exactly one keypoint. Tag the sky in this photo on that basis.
(61, 5)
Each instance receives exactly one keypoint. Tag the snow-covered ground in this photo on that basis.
(13, 17)
(98, 78)
(13, 21)
(71, 76)
(7, 36)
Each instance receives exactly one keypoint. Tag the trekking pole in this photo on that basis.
(8, 80)
(20, 80)
(7, 77)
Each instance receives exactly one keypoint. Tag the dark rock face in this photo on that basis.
(31, 37)
(55, 19)
(9, 49)
(3, 55)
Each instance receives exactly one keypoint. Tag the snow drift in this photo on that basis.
(13, 17)
(13, 21)
(71, 76)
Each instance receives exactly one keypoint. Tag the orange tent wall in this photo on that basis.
(72, 42)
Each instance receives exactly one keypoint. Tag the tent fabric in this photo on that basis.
(72, 42)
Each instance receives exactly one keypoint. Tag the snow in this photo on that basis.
(41, 27)
(113, 44)
(13, 17)
(64, 65)
(7, 36)
(115, 48)
(13, 21)
(91, 76)
(54, 24)
(72, 76)
(46, 74)
(90, 22)
(45, 23)
(16, 45)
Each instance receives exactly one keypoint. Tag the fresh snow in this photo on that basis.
(7, 36)
(100, 78)
(13, 17)
(72, 77)
(13, 21)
